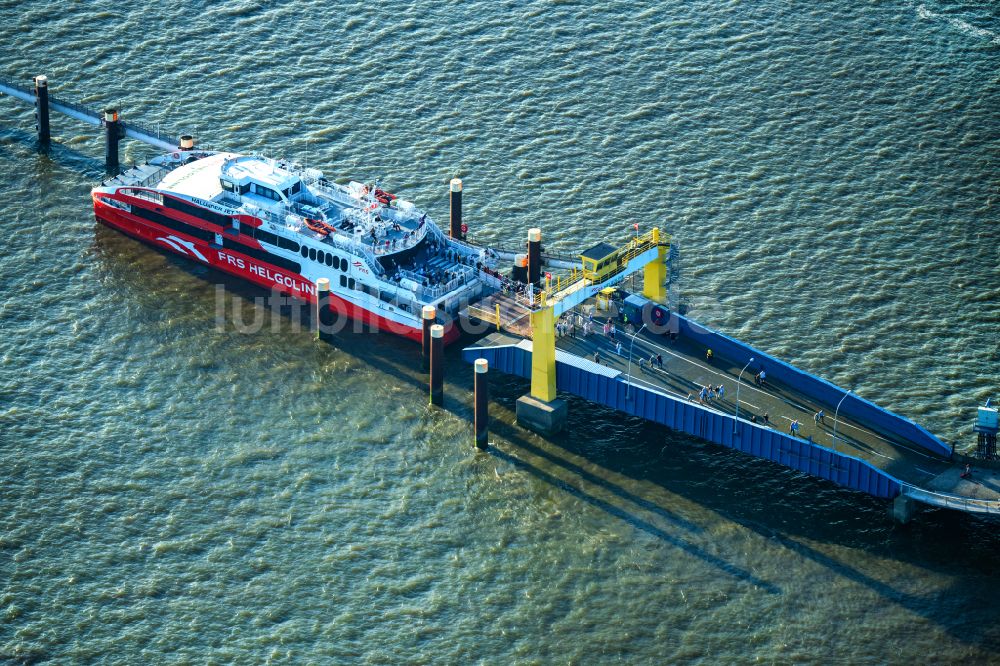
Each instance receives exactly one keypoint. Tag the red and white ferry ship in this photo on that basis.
(283, 226)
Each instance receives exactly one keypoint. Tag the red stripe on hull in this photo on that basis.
(229, 260)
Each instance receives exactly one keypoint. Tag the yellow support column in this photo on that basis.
(543, 354)
(654, 275)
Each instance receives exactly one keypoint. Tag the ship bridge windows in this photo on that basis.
(265, 192)
(227, 185)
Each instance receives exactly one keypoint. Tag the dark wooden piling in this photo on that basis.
(455, 208)
(437, 364)
(42, 110)
(481, 415)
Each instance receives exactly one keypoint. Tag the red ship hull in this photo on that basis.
(261, 273)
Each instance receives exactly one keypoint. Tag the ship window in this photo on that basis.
(227, 186)
(343, 281)
(350, 283)
(266, 192)
(265, 236)
(244, 188)
(312, 254)
(196, 211)
(297, 187)
(304, 252)
(329, 260)
(287, 244)
(343, 264)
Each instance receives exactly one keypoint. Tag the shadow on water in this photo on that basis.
(712, 477)
(637, 522)
(90, 168)
(763, 497)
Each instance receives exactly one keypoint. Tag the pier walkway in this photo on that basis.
(882, 462)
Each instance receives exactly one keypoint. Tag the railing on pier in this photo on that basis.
(951, 501)
(508, 250)
(75, 110)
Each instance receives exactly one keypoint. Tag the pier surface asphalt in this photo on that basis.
(686, 369)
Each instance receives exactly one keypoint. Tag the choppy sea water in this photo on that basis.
(175, 493)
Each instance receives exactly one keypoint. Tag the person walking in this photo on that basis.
(618, 348)
(722, 391)
(793, 428)
(659, 362)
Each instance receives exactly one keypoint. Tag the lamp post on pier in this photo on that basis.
(628, 385)
(739, 380)
(836, 413)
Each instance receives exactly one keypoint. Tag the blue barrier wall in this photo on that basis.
(694, 419)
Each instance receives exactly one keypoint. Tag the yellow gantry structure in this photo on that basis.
(654, 273)
(606, 267)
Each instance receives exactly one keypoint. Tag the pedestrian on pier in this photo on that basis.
(652, 361)
(597, 357)
(818, 417)
(659, 362)
(793, 428)
(703, 394)
(709, 355)
(618, 348)
(767, 419)
(721, 391)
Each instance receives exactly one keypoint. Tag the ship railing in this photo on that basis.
(154, 177)
(350, 246)
(358, 249)
(465, 276)
(148, 195)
